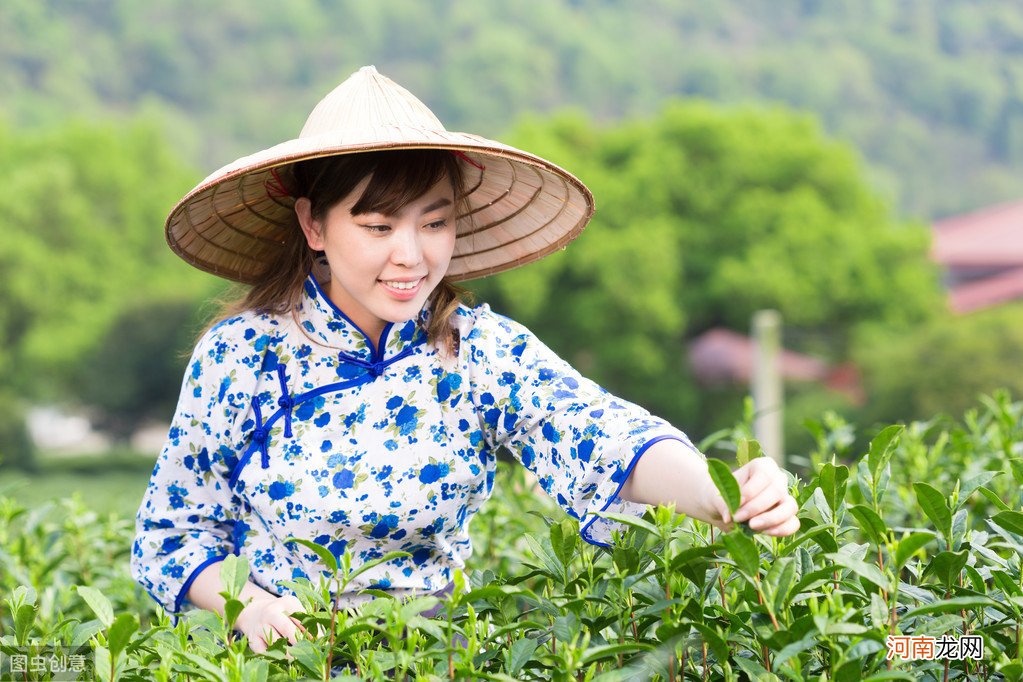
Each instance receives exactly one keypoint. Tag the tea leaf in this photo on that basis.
(632, 521)
(726, 484)
(947, 566)
(909, 545)
(1011, 521)
(326, 556)
(308, 656)
(1016, 467)
(232, 609)
(881, 448)
(743, 552)
(832, 481)
(521, 651)
(935, 507)
(994, 499)
(390, 556)
(83, 632)
(870, 523)
(754, 669)
(1008, 586)
(98, 602)
(714, 640)
(973, 483)
(564, 538)
(120, 633)
(861, 568)
(24, 618)
(779, 581)
(234, 573)
(747, 449)
(211, 671)
(790, 650)
(955, 605)
(612, 651)
(565, 627)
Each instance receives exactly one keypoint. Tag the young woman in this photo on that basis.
(352, 399)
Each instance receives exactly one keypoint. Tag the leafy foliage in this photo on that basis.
(81, 215)
(942, 366)
(910, 84)
(877, 555)
(704, 216)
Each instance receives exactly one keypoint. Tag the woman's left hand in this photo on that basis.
(765, 502)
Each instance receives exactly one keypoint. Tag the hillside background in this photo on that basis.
(928, 92)
(825, 135)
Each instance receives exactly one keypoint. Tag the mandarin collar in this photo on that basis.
(327, 324)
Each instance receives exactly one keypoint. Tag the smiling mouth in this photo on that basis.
(400, 285)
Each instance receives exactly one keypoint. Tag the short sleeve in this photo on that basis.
(185, 521)
(580, 441)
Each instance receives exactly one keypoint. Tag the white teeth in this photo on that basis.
(403, 285)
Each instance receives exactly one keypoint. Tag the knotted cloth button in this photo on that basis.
(259, 436)
(376, 369)
(286, 402)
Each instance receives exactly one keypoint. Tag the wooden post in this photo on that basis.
(768, 388)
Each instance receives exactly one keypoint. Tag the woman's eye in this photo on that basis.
(438, 224)
(377, 228)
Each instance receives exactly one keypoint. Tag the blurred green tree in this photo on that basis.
(943, 366)
(82, 213)
(134, 372)
(704, 216)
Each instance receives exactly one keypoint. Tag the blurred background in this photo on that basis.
(856, 165)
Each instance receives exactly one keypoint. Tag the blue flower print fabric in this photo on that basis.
(300, 426)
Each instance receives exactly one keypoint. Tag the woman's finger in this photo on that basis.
(284, 626)
(763, 493)
(789, 527)
(754, 477)
(775, 516)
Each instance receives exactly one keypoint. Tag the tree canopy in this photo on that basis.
(705, 215)
(82, 212)
(929, 92)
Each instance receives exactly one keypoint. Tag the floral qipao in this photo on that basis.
(308, 430)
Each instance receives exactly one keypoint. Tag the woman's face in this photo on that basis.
(384, 267)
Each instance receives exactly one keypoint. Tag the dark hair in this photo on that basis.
(397, 178)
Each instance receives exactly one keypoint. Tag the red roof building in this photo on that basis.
(721, 356)
(982, 253)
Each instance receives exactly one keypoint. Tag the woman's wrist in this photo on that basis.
(672, 472)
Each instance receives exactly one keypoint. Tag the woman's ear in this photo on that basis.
(311, 228)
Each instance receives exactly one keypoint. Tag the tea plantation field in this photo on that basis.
(907, 566)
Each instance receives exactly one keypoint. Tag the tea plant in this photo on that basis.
(921, 535)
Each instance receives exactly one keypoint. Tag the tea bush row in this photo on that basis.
(922, 535)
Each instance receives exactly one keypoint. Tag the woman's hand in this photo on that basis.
(765, 502)
(264, 620)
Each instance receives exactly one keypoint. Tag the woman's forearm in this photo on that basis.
(670, 471)
(206, 586)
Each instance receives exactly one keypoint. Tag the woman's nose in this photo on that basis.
(407, 249)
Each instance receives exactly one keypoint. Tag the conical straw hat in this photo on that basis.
(522, 207)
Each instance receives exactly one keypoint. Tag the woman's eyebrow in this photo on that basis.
(440, 203)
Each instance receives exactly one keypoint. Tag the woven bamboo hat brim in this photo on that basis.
(521, 206)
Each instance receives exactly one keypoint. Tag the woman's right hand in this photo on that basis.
(264, 620)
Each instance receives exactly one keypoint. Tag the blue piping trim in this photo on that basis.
(585, 531)
(309, 395)
(330, 303)
(285, 402)
(188, 583)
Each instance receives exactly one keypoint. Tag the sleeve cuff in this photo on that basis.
(180, 599)
(596, 530)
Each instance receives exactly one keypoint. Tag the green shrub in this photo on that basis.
(921, 535)
(16, 447)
